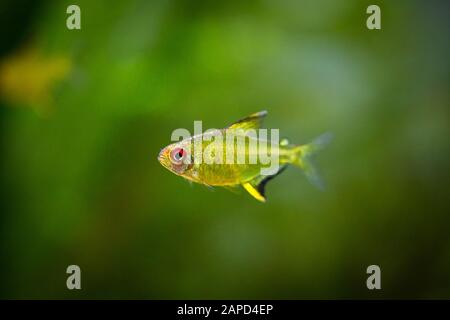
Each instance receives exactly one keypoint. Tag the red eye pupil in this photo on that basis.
(178, 154)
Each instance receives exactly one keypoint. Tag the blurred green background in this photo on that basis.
(84, 113)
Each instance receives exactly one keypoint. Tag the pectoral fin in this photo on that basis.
(256, 187)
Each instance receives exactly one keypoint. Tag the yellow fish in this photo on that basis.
(189, 157)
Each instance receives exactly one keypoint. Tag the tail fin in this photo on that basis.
(304, 154)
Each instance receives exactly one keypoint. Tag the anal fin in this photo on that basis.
(256, 187)
(254, 192)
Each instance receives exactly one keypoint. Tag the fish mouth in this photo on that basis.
(163, 158)
(161, 155)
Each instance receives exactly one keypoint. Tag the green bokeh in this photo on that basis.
(81, 184)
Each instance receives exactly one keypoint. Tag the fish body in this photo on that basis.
(231, 157)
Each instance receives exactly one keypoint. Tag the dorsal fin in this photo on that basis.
(253, 121)
(256, 187)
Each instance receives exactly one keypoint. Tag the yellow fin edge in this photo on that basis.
(254, 192)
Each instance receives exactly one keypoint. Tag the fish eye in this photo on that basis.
(178, 154)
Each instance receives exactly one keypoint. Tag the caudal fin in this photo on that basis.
(304, 155)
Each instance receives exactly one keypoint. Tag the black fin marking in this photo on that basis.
(261, 186)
